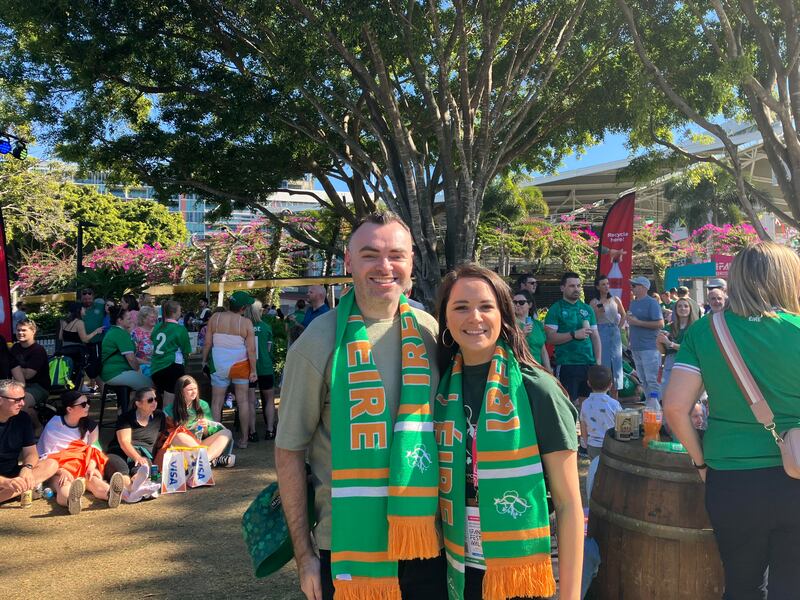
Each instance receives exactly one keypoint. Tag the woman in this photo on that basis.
(232, 345)
(73, 337)
(265, 372)
(131, 304)
(532, 329)
(493, 386)
(120, 366)
(610, 316)
(171, 351)
(669, 340)
(751, 502)
(134, 445)
(147, 319)
(70, 439)
(189, 424)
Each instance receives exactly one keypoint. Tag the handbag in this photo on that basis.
(788, 441)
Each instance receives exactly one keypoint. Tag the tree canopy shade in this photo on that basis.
(415, 104)
(739, 58)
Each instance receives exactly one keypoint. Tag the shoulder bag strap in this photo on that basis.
(744, 379)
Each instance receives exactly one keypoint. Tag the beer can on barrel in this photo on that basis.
(623, 426)
(636, 422)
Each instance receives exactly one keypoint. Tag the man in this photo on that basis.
(16, 438)
(94, 313)
(571, 327)
(528, 283)
(203, 314)
(32, 358)
(717, 295)
(317, 305)
(379, 256)
(645, 321)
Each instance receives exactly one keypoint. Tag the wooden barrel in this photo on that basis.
(647, 514)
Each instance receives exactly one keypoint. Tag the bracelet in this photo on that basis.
(700, 466)
(27, 466)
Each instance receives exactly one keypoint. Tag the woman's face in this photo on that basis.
(147, 405)
(683, 308)
(521, 306)
(80, 409)
(125, 321)
(603, 287)
(124, 304)
(474, 320)
(150, 320)
(190, 393)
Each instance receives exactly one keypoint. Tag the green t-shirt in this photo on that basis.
(171, 345)
(564, 317)
(263, 332)
(191, 423)
(116, 343)
(678, 339)
(771, 350)
(536, 338)
(93, 318)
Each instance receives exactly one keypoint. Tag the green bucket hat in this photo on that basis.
(266, 533)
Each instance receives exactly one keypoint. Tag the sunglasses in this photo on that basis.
(14, 399)
(83, 404)
(520, 302)
(150, 400)
(531, 281)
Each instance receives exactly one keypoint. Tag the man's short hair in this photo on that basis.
(7, 384)
(87, 290)
(599, 378)
(683, 290)
(380, 217)
(569, 275)
(27, 323)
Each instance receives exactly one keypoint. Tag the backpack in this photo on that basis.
(61, 372)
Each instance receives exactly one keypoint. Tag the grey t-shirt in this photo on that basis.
(305, 402)
(646, 309)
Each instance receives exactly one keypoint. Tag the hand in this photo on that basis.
(528, 328)
(662, 337)
(633, 321)
(26, 475)
(18, 485)
(141, 460)
(310, 580)
(63, 478)
(253, 377)
(580, 334)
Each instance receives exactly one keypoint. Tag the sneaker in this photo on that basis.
(76, 490)
(116, 485)
(224, 460)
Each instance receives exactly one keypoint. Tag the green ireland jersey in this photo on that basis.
(170, 345)
(93, 318)
(263, 332)
(564, 317)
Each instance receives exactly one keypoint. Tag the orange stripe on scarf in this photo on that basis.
(516, 535)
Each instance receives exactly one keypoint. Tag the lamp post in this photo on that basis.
(79, 268)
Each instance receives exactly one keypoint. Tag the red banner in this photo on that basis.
(723, 262)
(615, 257)
(5, 290)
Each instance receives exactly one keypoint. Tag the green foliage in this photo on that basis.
(700, 195)
(112, 282)
(47, 317)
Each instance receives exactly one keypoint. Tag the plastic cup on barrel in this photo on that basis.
(652, 425)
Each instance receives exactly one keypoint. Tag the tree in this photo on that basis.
(405, 102)
(703, 194)
(737, 58)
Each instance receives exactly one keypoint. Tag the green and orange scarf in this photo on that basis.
(385, 472)
(512, 503)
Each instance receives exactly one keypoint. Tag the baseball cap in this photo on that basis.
(241, 298)
(70, 397)
(716, 283)
(641, 280)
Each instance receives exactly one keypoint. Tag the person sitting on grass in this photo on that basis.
(134, 445)
(16, 440)
(598, 411)
(71, 439)
(189, 424)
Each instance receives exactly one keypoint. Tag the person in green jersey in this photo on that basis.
(533, 329)
(119, 364)
(751, 501)
(264, 370)
(93, 312)
(502, 422)
(572, 327)
(171, 350)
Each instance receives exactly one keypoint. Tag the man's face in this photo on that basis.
(12, 401)
(380, 259)
(25, 334)
(316, 296)
(716, 299)
(697, 416)
(571, 289)
(638, 290)
(87, 298)
(530, 284)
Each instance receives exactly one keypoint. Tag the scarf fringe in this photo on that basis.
(413, 537)
(531, 579)
(362, 589)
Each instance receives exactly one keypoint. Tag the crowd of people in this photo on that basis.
(414, 423)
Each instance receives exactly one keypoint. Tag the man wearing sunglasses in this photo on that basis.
(17, 441)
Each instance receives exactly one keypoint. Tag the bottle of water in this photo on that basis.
(652, 401)
(47, 493)
(229, 400)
